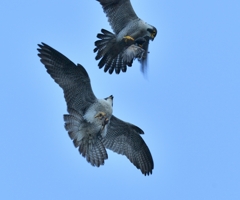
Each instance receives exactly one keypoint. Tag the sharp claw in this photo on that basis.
(128, 38)
(105, 122)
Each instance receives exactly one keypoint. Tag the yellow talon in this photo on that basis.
(100, 115)
(128, 38)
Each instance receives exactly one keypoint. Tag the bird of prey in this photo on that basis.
(89, 122)
(130, 41)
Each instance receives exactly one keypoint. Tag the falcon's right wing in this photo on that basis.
(73, 79)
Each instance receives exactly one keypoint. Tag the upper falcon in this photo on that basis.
(90, 123)
(130, 41)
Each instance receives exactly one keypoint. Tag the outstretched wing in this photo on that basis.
(73, 79)
(119, 13)
(124, 138)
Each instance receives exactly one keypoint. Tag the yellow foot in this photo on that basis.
(100, 115)
(128, 38)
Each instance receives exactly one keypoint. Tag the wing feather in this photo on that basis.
(124, 138)
(73, 79)
(119, 13)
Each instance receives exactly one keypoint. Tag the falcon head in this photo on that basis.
(105, 111)
(102, 117)
(151, 32)
(100, 112)
(109, 100)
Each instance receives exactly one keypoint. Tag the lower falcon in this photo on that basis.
(89, 122)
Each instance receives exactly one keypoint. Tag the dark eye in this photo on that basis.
(149, 30)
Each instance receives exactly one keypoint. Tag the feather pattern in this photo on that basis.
(88, 143)
(119, 13)
(124, 138)
(117, 56)
(73, 79)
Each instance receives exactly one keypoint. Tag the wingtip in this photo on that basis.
(147, 173)
(42, 44)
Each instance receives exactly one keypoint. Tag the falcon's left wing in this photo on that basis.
(124, 138)
(119, 13)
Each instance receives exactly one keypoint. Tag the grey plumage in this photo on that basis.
(90, 123)
(128, 28)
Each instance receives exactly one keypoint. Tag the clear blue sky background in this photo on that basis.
(188, 105)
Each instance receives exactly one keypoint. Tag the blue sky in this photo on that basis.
(188, 105)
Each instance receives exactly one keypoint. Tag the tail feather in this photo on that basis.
(101, 43)
(119, 63)
(102, 62)
(100, 47)
(94, 151)
(89, 145)
(116, 56)
(72, 125)
(105, 36)
(108, 67)
(113, 63)
(110, 64)
(109, 52)
(106, 32)
(104, 44)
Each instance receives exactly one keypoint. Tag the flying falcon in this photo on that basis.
(89, 122)
(130, 41)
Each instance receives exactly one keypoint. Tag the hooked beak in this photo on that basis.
(110, 97)
(153, 35)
